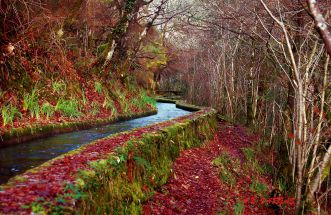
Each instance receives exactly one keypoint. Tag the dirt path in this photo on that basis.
(196, 187)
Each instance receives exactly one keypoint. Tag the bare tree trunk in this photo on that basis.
(325, 161)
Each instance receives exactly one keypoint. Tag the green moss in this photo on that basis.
(150, 158)
(104, 186)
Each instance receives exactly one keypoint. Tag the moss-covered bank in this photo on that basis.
(140, 167)
(113, 175)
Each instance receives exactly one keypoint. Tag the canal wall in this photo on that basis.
(113, 175)
(179, 104)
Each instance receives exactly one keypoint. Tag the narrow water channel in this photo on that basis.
(19, 158)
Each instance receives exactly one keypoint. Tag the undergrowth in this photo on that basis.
(73, 101)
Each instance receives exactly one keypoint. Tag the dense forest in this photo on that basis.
(262, 64)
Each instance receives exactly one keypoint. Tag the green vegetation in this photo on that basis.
(59, 87)
(122, 100)
(223, 159)
(249, 154)
(224, 163)
(143, 100)
(159, 52)
(109, 105)
(48, 110)
(31, 103)
(238, 208)
(9, 113)
(95, 108)
(68, 108)
(147, 100)
(253, 163)
(98, 87)
(129, 177)
(259, 188)
(227, 177)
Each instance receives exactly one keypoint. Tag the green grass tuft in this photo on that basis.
(9, 113)
(68, 108)
(95, 108)
(48, 110)
(223, 159)
(249, 153)
(238, 208)
(98, 87)
(31, 103)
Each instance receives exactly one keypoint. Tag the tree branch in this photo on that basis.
(321, 24)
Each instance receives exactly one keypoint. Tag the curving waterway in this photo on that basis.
(19, 158)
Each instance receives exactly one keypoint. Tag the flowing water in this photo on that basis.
(19, 158)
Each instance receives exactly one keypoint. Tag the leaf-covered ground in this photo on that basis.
(224, 177)
(50, 181)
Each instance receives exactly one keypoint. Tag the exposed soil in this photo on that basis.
(195, 186)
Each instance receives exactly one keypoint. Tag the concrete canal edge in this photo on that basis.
(180, 104)
(124, 178)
